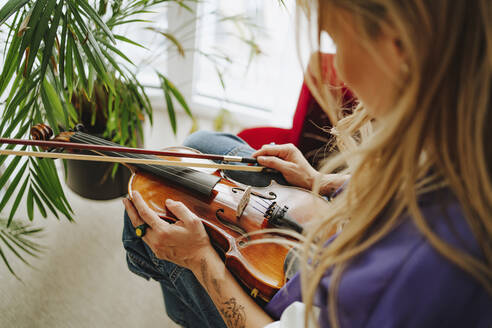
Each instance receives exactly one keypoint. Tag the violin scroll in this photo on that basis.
(44, 132)
(41, 132)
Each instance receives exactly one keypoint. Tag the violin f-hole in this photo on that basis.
(228, 224)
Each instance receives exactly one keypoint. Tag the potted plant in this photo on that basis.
(62, 66)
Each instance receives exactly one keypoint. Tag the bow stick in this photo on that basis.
(128, 160)
(73, 145)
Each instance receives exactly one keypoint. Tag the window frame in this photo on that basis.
(181, 71)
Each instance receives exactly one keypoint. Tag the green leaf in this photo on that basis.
(39, 204)
(63, 45)
(117, 51)
(91, 13)
(49, 39)
(45, 199)
(9, 8)
(7, 263)
(182, 4)
(170, 108)
(124, 39)
(17, 200)
(17, 239)
(34, 16)
(20, 96)
(10, 190)
(38, 35)
(11, 63)
(53, 181)
(12, 249)
(179, 97)
(30, 204)
(19, 244)
(19, 119)
(93, 53)
(9, 170)
(124, 123)
(52, 105)
(130, 21)
(113, 62)
(45, 182)
(90, 80)
(114, 170)
(78, 62)
(171, 38)
(19, 23)
(69, 66)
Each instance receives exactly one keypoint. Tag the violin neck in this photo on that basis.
(193, 180)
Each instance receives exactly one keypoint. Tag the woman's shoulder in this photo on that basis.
(402, 281)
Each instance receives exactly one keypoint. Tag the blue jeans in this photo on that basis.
(187, 303)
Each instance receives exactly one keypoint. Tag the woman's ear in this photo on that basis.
(401, 55)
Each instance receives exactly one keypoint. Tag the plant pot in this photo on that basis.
(93, 180)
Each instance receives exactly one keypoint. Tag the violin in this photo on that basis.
(232, 213)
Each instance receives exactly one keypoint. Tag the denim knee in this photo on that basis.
(220, 143)
(187, 302)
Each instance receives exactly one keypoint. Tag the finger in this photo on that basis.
(165, 236)
(145, 212)
(274, 163)
(281, 151)
(132, 213)
(182, 212)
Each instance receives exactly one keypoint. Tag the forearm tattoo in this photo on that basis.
(232, 312)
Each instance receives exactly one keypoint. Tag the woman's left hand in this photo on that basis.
(182, 243)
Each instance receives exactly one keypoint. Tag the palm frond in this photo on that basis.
(19, 239)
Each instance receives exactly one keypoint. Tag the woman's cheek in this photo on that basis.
(346, 72)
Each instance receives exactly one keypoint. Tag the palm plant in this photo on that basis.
(62, 65)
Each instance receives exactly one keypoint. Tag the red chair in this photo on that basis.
(310, 123)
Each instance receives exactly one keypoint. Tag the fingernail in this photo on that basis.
(134, 194)
(169, 201)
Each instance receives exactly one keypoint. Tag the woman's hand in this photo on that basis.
(186, 243)
(182, 243)
(288, 160)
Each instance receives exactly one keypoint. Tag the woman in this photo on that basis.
(416, 246)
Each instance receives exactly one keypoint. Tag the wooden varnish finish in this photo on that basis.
(260, 266)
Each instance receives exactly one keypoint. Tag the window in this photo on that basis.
(263, 87)
(267, 81)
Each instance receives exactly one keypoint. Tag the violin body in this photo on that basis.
(259, 267)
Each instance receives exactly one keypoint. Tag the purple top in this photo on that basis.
(402, 281)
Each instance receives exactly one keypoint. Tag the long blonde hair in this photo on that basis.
(438, 133)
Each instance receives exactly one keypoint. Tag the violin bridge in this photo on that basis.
(243, 202)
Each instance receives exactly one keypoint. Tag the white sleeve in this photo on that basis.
(293, 317)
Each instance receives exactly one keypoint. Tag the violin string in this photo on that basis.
(170, 170)
(256, 209)
(260, 204)
(175, 172)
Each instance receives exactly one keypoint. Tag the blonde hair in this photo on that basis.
(439, 133)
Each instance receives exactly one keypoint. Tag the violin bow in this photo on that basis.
(128, 160)
(94, 147)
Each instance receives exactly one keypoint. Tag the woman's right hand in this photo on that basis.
(288, 160)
